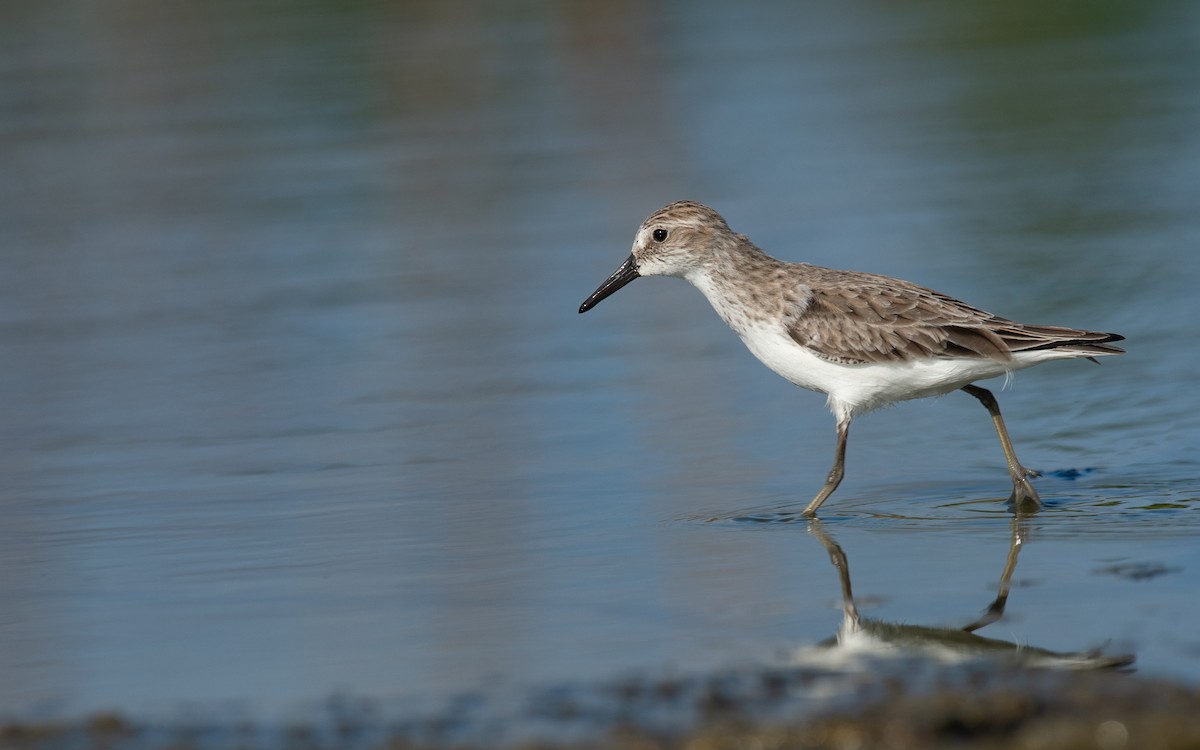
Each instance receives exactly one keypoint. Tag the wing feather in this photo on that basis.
(877, 319)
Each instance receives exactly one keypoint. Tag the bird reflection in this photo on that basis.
(860, 634)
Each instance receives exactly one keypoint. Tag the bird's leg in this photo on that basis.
(836, 473)
(1023, 491)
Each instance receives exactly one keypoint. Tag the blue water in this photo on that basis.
(295, 399)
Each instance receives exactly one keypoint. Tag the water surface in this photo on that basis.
(296, 400)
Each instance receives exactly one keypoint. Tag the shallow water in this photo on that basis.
(296, 400)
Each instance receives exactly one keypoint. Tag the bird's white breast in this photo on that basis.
(854, 389)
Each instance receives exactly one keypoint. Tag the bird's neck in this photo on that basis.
(745, 288)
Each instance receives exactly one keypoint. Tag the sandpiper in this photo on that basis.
(863, 339)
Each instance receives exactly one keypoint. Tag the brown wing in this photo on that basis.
(875, 320)
(856, 318)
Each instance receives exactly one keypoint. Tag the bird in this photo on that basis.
(864, 340)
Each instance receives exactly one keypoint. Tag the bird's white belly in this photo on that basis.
(854, 389)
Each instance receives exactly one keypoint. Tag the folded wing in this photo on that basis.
(885, 321)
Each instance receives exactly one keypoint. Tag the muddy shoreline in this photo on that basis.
(977, 708)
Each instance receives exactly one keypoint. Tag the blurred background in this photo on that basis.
(294, 398)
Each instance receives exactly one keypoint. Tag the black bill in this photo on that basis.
(622, 276)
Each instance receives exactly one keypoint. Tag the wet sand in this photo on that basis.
(974, 708)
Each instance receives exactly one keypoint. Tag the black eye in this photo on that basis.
(659, 235)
